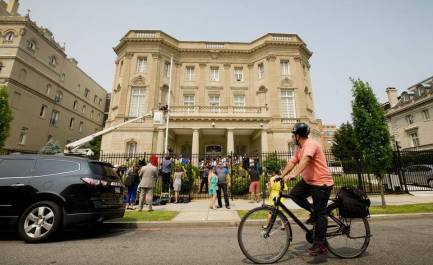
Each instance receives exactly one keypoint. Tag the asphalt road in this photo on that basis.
(396, 241)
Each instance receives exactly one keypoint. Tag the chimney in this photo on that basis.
(13, 7)
(392, 96)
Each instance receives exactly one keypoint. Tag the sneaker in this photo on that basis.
(318, 249)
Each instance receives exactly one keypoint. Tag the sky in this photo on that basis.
(384, 42)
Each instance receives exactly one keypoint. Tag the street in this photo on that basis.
(407, 240)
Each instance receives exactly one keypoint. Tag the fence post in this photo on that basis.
(399, 169)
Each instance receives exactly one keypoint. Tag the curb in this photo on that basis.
(213, 224)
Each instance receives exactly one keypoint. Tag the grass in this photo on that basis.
(390, 209)
(132, 216)
(408, 208)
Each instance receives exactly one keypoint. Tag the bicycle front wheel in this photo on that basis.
(259, 245)
(348, 238)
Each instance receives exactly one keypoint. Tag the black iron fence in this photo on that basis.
(410, 171)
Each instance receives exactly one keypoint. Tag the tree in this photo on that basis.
(371, 131)
(95, 146)
(50, 148)
(5, 115)
(345, 146)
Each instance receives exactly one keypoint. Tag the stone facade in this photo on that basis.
(225, 96)
(50, 96)
(409, 116)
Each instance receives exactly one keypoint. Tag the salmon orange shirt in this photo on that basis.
(317, 171)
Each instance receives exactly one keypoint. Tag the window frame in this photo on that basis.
(285, 71)
(141, 66)
(189, 73)
(214, 74)
(426, 114)
(22, 139)
(261, 70)
(140, 93)
(286, 113)
(238, 74)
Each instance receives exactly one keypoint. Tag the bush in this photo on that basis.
(240, 182)
(272, 163)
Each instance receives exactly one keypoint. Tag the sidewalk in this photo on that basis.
(198, 213)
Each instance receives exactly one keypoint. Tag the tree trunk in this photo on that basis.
(382, 193)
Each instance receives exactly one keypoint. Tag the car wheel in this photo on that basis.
(40, 221)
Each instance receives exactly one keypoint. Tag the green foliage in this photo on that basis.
(371, 130)
(5, 115)
(50, 148)
(272, 162)
(345, 146)
(239, 180)
(95, 146)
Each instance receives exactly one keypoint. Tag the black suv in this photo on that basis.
(44, 193)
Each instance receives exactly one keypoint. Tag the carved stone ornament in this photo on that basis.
(271, 58)
(286, 81)
(138, 81)
(262, 89)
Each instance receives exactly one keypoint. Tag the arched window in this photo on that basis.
(131, 148)
(9, 36)
(58, 97)
(75, 105)
(53, 60)
(31, 45)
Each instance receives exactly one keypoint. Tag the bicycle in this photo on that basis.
(266, 240)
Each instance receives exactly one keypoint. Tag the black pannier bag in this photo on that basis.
(353, 203)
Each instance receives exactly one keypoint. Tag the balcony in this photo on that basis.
(217, 111)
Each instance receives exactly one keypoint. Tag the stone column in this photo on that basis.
(230, 141)
(195, 147)
(160, 143)
(264, 141)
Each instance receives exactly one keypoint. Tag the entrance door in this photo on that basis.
(213, 150)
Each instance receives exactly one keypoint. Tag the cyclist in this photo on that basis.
(317, 183)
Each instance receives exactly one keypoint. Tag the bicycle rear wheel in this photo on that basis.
(258, 245)
(349, 239)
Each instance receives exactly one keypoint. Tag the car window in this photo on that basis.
(54, 166)
(103, 170)
(10, 168)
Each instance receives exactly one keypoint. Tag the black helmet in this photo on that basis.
(301, 129)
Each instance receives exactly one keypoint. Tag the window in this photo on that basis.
(49, 138)
(100, 101)
(86, 92)
(43, 111)
(63, 77)
(188, 101)
(414, 138)
(426, 114)
(75, 105)
(167, 69)
(239, 103)
(91, 114)
(214, 74)
(141, 65)
(131, 148)
(214, 102)
(285, 68)
(16, 167)
(83, 109)
(287, 104)
(189, 73)
(54, 118)
(95, 98)
(409, 119)
(48, 91)
(9, 36)
(58, 97)
(80, 127)
(52, 166)
(136, 105)
(261, 70)
(239, 74)
(23, 136)
(31, 45)
(71, 123)
(53, 60)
